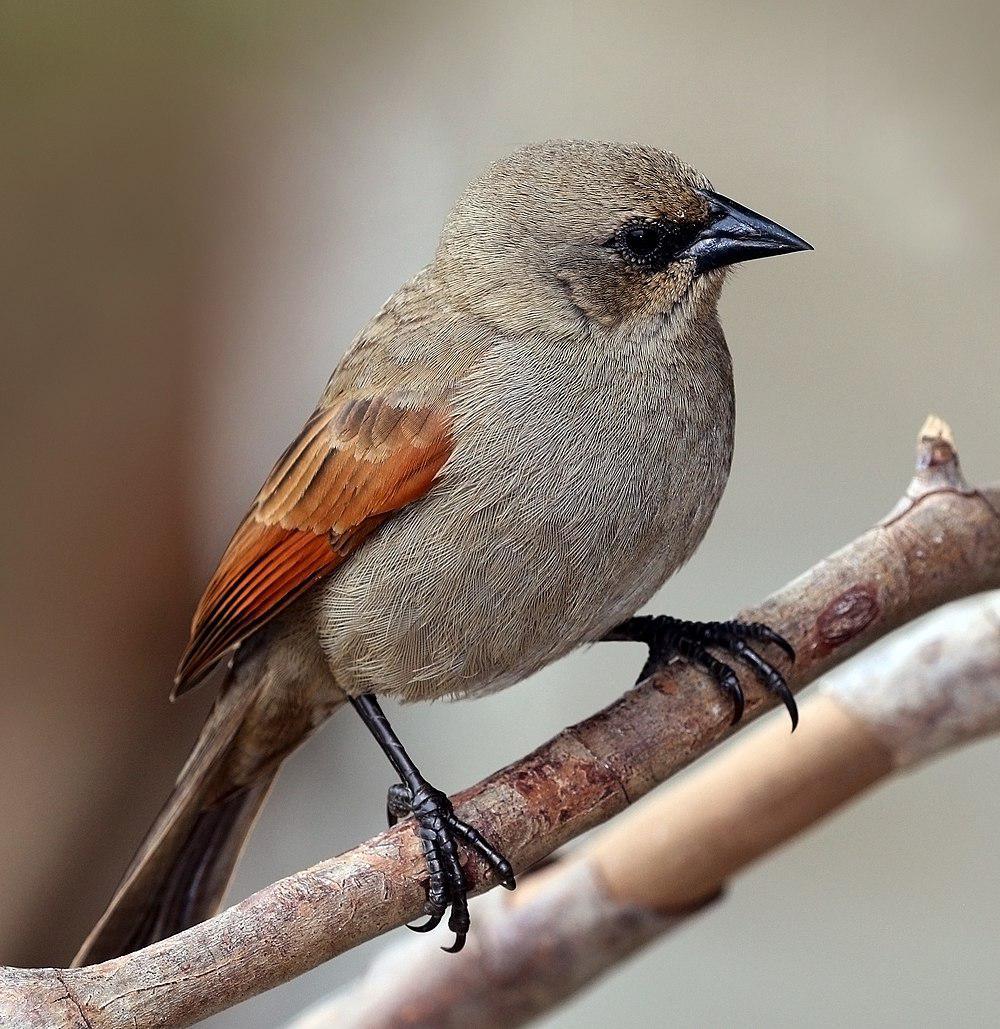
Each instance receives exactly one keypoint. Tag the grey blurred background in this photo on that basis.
(202, 203)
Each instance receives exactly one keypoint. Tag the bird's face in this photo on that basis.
(606, 233)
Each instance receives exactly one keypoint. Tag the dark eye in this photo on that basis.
(642, 240)
(652, 244)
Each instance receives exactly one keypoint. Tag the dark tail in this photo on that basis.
(179, 876)
(270, 702)
(180, 873)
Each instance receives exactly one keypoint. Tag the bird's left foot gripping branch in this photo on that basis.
(438, 828)
(515, 453)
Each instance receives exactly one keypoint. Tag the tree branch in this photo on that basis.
(935, 687)
(941, 542)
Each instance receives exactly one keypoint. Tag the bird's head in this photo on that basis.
(606, 233)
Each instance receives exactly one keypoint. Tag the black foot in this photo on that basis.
(439, 831)
(671, 637)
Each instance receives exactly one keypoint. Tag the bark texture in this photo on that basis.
(941, 542)
(934, 687)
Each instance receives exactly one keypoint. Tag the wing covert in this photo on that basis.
(358, 459)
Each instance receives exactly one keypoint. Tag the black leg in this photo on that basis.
(671, 637)
(438, 829)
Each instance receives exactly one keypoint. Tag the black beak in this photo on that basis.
(735, 233)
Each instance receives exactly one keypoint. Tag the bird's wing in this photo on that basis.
(360, 457)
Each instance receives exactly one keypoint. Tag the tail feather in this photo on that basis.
(198, 881)
(181, 882)
(180, 872)
(274, 696)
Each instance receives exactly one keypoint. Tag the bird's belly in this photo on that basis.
(491, 577)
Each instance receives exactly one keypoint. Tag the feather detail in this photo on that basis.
(358, 460)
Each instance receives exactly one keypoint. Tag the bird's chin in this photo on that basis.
(706, 287)
(699, 300)
(700, 287)
(711, 279)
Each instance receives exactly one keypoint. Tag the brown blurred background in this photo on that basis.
(202, 203)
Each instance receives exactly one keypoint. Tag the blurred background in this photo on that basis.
(203, 203)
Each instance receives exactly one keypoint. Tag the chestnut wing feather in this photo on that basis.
(357, 460)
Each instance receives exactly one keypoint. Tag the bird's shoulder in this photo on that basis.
(418, 347)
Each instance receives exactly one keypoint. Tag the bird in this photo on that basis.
(513, 455)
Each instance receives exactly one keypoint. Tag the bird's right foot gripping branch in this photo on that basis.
(669, 637)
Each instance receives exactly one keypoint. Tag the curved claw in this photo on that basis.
(768, 675)
(731, 684)
(788, 699)
(724, 677)
(688, 640)
(457, 945)
(785, 647)
(433, 921)
(768, 635)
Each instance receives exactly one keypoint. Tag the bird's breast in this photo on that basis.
(580, 481)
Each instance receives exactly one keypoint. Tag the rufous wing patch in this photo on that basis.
(357, 461)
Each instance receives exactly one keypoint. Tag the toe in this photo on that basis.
(727, 680)
(397, 803)
(473, 838)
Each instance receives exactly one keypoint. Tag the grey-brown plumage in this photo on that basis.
(517, 451)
